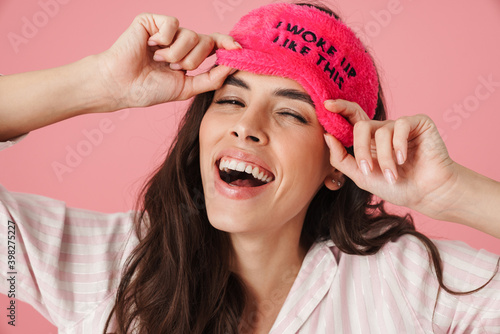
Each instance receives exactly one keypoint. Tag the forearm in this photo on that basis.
(32, 100)
(473, 200)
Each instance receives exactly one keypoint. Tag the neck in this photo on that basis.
(268, 265)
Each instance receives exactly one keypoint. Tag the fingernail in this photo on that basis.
(389, 176)
(331, 104)
(365, 168)
(157, 57)
(152, 43)
(233, 71)
(328, 141)
(238, 45)
(175, 66)
(399, 156)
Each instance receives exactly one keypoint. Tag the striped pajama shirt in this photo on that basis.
(68, 264)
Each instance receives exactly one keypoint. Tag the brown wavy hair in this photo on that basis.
(177, 279)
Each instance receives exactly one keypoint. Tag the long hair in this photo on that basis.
(177, 279)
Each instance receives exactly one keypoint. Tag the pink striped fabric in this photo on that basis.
(393, 291)
(68, 264)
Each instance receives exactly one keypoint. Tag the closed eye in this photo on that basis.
(230, 101)
(241, 104)
(296, 116)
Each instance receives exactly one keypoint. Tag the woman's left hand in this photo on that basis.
(404, 162)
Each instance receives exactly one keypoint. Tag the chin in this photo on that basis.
(232, 220)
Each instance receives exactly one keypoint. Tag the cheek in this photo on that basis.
(304, 171)
(208, 131)
(213, 124)
(310, 154)
(205, 144)
(212, 130)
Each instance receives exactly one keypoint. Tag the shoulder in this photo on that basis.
(463, 268)
(399, 282)
(459, 260)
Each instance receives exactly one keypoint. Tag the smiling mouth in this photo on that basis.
(242, 174)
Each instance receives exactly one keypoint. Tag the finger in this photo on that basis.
(350, 110)
(183, 43)
(362, 133)
(161, 28)
(205, 48)
(402, 128)
(342, 160)
(197, 55)
(205, 82)
(385, 157)
(224, 42)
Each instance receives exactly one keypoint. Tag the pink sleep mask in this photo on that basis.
(313, 48)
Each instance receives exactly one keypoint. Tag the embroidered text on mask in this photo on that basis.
(326, 52)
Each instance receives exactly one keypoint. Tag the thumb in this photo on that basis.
(341, 159)
(207, 81)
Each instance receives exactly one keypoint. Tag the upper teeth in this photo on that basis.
(240, 166)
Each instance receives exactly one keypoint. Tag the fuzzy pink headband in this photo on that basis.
(313, 48)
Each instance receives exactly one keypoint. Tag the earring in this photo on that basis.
(336, 182)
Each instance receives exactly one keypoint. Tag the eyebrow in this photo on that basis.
(294, 95)
(231, 80)
(282, 92)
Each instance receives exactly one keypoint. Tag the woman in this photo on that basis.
(257, 219)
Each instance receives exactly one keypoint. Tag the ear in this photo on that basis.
(334, 180)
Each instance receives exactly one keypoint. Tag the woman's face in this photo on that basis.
(262, 154)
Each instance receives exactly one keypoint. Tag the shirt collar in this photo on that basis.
(309, 288)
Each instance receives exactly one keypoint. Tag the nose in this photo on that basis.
(250, 127)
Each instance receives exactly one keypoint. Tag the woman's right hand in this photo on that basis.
(147, 65)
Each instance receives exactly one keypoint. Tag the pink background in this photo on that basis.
(432, 56)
